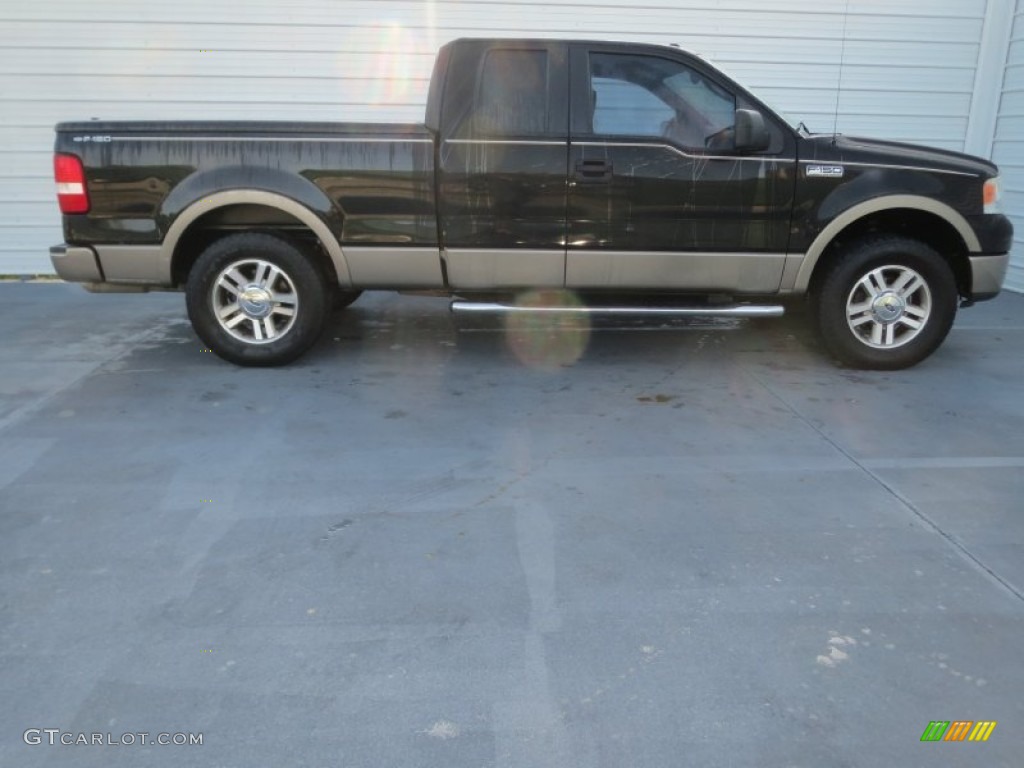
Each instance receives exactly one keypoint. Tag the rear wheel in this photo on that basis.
(256, 299)
(887, 302)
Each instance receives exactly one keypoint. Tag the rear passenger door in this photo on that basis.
(503, 165)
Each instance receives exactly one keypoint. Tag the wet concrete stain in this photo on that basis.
(656, 398)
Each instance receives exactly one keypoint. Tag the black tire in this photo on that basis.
(288, 296)
(873, 294)
(344, 297)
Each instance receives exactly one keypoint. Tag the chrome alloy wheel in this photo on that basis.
(888, 306)
(255, 301)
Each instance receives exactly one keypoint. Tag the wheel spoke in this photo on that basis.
(257, 329)
(865, 317)
(268, 327)
(855, 309)
(911, 322)
(231, 315)
(289, 299)
(919, 313)
(232, 282)
(890, 334)
(864, 286)
(262, 269)
(875, 280)
(272, 274)
(876, 333)
(908, 287)
(282, 310)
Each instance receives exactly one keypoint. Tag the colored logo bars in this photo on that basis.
(958, 730)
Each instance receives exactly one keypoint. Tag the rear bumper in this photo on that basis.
(987, 275)
(111, 268)
(76, 263)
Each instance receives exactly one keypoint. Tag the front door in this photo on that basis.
(658, 195)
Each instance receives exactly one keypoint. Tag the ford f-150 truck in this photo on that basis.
(638, 178)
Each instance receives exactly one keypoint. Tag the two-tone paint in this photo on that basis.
(845, 183)
(447, 205)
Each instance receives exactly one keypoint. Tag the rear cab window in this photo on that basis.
(507, 92)
(512, 94)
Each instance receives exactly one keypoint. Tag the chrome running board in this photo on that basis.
(725, 310)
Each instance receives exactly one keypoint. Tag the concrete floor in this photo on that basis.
(429, 543)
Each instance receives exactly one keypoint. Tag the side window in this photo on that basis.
(512, 95)
(622, 108)
(650, 96)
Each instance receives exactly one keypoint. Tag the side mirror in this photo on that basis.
(751, 131)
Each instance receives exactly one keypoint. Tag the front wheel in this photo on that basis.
(256, 299)
(886, 302)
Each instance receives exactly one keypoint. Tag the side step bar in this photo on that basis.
(725, 310)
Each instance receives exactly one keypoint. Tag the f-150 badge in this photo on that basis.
(831, 171)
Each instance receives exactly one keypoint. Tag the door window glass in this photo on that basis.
(622, 108)
(650, 96)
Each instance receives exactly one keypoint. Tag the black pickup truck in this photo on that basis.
(631, 178)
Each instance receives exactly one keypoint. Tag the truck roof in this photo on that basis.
(568, 41)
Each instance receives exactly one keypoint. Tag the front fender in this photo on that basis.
(875, 205)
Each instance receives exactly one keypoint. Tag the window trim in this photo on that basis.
(683, 66)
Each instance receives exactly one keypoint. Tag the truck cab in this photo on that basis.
(608, 167)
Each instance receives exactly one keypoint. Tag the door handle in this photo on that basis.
(593, 171)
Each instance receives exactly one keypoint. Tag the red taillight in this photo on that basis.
(70, 177)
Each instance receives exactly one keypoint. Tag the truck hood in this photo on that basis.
(852, 149)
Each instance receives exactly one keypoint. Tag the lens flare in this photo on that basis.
(394, 65)
(548, 340)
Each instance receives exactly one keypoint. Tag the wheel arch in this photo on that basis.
(931, 221)
(191, 220)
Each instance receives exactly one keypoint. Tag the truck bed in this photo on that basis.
(372, 183)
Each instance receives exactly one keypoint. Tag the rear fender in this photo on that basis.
(206, 191)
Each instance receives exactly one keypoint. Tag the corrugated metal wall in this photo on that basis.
(1008, 148)
(908, 74)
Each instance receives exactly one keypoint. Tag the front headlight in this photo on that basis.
(991, 193)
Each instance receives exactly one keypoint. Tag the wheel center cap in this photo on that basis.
(255, 301)
(888, 307)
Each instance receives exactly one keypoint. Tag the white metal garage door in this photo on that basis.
(1008, 148)
(909, 66)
